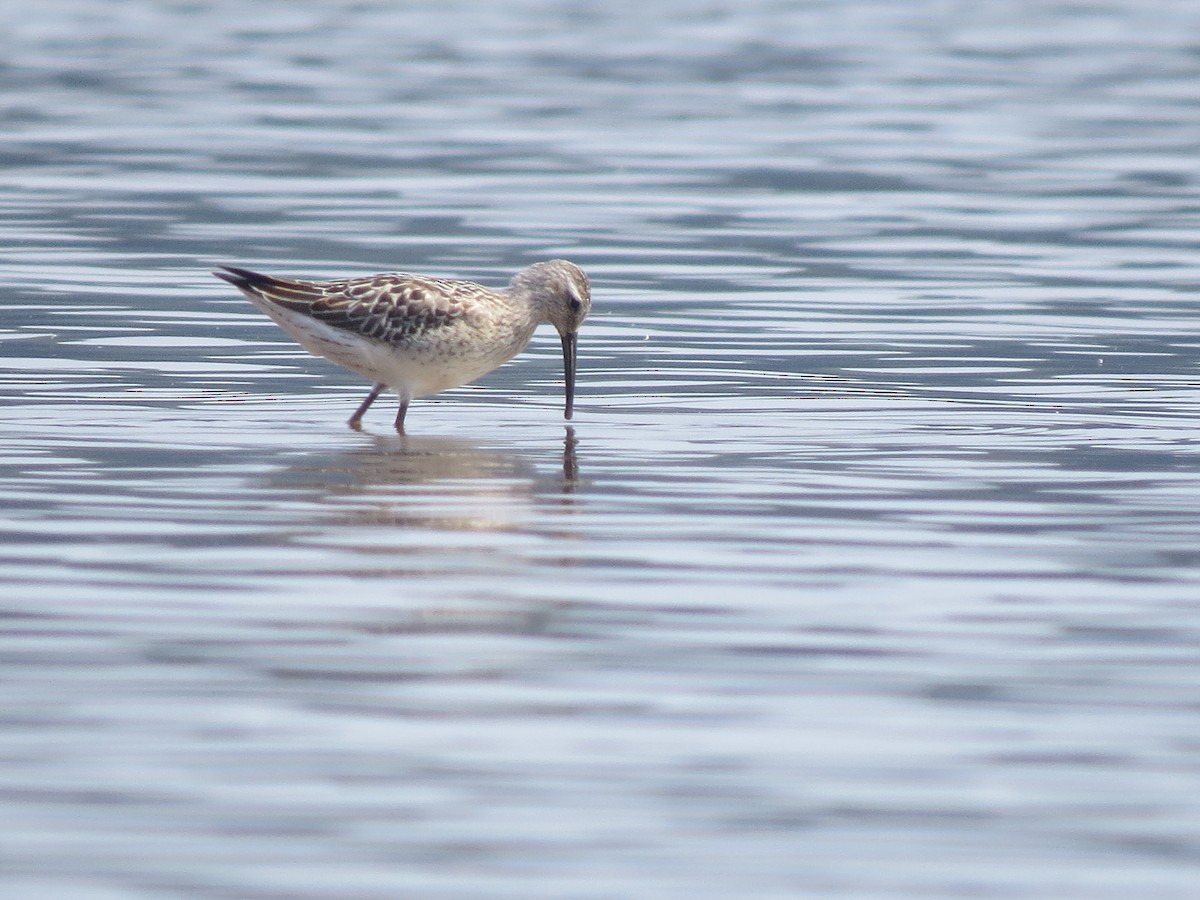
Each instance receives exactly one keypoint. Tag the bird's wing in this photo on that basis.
(392, 307)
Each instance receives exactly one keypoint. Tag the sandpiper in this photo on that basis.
(419, 335)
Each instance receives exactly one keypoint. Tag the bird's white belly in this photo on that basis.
(416, 369)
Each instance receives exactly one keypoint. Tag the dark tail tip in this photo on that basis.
(243, 278)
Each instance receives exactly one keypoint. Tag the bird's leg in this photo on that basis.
(400, 414)
(356, 419)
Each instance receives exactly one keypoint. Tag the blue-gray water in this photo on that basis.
(872, 565)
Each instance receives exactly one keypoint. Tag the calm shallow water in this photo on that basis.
(868, 568)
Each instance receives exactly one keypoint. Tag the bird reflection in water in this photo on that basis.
(444, 529)
(434, 482)
(570, 462)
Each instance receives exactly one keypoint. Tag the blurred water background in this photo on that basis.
(871, 567)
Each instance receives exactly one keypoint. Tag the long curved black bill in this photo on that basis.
(568, 344)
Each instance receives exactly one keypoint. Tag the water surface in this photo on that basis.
(867, 567)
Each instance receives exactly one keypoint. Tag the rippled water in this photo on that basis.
(869, 567)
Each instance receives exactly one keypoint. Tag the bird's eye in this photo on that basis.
(576, 304)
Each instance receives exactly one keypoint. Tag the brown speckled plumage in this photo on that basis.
(392, 308)
(419, 335)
